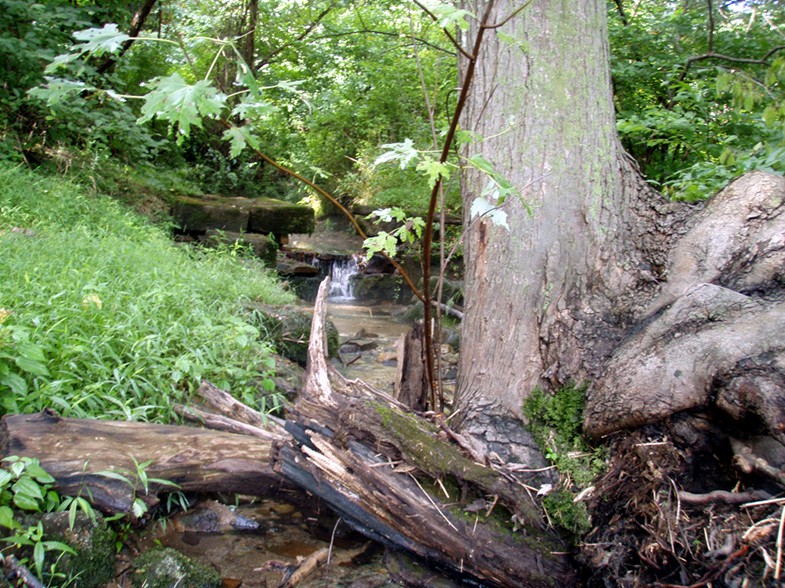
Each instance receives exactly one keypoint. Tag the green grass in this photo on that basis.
(106, 317)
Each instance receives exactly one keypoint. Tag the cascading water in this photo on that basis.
(341, 271)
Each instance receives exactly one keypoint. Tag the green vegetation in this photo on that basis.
(555, 423)
(699, 91)
(26, 486)
(104, 316)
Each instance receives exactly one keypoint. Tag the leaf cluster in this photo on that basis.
(699, 91)
(26, 486)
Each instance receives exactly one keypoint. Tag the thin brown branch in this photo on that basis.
(137, 22)
(365, 31)
(309, 29)
(447, 33)
(509, 17)
(428, 236)
(711, 55)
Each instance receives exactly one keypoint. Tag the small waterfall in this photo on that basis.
(341, 271)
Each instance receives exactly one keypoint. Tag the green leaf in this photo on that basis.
(15, 382)
(114, 476)
(139, 508)
(60, 61)
(182, 104)
(238, 138)
(25, 502)
(5, 477)
(95, 41)
(31, 366)
(29, 488)
(447, 15)
(39, 474)
(39, 553)
(434, 170)
(403, 152)
(58, 90)
(7, 519)
(482, 164)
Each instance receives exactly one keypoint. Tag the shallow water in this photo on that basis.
(284, 535)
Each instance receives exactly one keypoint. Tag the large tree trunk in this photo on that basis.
(674, 315)
(659, 307)
(548, 299)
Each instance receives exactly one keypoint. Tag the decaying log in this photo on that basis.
(358, 453)
(411, 380)
(74, 451)
(352, 446)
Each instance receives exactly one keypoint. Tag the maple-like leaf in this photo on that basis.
(182, 104)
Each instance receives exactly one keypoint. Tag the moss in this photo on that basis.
(93, 541)
(166, 567)
(418, 440)
(555, 421)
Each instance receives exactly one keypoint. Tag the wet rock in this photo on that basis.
(381, 287)
(211, 516)
(164, 568)
(388, 358)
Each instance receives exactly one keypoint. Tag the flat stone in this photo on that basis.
(197, 215)
(238, 214)
(280, 218)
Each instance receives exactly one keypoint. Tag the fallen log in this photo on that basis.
(358, 452)
(75, 451)
(394, 476)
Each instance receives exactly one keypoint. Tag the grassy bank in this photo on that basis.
(102, 315)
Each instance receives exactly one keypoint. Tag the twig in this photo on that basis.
(433, 503)
(722, 496)
(307, 566)
(15, 569)
(778, 568)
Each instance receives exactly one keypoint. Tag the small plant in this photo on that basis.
(137, 479)
(26, 486)
(555, 423)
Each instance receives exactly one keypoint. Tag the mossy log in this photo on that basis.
(359, 450)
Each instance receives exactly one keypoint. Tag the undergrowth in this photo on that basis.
(103, 316)
(555, 423)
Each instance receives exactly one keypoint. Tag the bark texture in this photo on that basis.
(548, 299)
(715, 336)
(74, 451)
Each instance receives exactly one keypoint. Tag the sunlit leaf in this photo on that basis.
(182, 104)
(56, 90)
(107, 39)
(482, 208)
(238, 138)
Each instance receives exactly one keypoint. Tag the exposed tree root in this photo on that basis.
(657, 525)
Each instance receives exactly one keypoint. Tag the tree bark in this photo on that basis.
(548, 299)
(75, 451)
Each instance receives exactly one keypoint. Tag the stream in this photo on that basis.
(368, 335)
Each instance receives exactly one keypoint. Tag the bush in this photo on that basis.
(105, 317)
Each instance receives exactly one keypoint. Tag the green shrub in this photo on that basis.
(110, 318)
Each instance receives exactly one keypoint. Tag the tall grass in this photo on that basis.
(106, 317)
